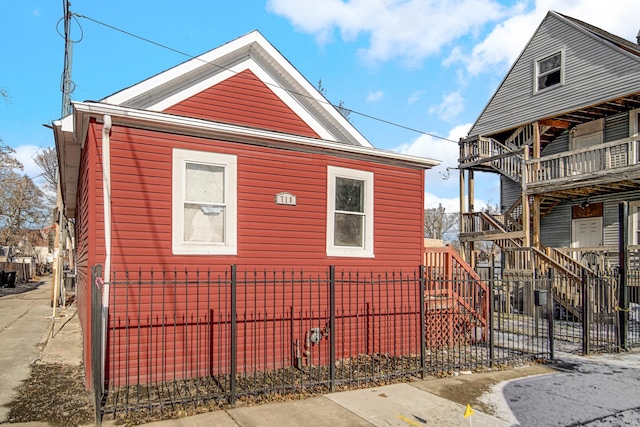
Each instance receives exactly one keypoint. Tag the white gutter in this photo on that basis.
(106, 198)
(162, 121)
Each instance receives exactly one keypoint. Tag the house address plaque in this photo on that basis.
(287, 199)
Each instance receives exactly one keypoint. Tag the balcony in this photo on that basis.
(616, 162)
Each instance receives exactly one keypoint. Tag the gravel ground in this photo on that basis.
(55, 394)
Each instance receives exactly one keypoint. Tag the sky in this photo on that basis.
(424, 68)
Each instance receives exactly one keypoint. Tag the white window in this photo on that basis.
(549, 71)
(204, 203)
(634, 130)
(349, 212)
(634, 223)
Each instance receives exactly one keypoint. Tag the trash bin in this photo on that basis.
(8, 278)
(540, 297)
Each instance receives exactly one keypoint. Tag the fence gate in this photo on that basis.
(97, 340)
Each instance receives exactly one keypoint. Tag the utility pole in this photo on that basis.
(67, 87)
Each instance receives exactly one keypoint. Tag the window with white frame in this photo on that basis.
(204, 220)
(549, 71)
(634, 130)
(349, 212)
(634, 222)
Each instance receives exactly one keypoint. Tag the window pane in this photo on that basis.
(203, 223)
(348, 230)
(549, 80)
(349, 195)
(549, 64)
(205, 183)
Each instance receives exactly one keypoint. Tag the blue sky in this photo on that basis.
(424, 64)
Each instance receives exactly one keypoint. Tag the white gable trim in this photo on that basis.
(263, 75)
(291, 86)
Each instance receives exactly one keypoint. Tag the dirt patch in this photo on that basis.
(469, 388)
(55, 394)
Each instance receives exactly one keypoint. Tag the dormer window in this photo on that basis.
(549, 72)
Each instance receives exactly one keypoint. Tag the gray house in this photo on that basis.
(562, 131)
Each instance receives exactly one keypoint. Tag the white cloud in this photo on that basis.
(446, 151)
(25, 154)
(406, 29)
(415, 96)
(450, 204)
(505, 41)
(375, 96)
(452, 104)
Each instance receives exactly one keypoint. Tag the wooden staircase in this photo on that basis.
(456, 300)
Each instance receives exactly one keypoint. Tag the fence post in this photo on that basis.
(490, 314)
(332, 328)
(586, 325)
(423, 332)
(96, 341)
(623, 296)
(550, 313)
(234, 335)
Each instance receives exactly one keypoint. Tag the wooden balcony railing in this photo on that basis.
(590, 161)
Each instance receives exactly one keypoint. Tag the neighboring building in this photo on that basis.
(232, 158)
(5, 253)
(562, 132)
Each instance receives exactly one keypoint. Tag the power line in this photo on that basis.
(163, 46)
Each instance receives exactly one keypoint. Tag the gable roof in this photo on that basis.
(193, 99)
(598, 68)
(249, 52)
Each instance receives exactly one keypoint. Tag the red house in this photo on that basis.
(231, 158)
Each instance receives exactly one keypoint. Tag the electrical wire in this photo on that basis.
(163, 46)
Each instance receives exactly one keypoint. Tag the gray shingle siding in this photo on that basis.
(594, 71)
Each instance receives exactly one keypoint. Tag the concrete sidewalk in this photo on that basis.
(392, 405)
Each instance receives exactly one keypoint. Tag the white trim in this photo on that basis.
(106, 202)
(367, 250)
(536, 72)
(634, 219)
(247, 64)
(634, 130)
(252, 47)
(230, 164)
(167, 122)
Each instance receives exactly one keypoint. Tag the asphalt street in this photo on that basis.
(601, 390)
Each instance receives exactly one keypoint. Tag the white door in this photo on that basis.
(587, 233)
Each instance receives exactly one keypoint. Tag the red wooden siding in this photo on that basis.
(85, 235)
(269, 236)
(243, 99)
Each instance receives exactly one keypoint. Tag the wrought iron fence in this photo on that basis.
(204, 338)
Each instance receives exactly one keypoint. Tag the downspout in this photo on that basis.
(106, 199)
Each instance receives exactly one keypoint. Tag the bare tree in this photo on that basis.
(340, 107)
(439, 224)
(21, 201)
(47, 160)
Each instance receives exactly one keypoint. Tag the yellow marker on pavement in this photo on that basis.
(468, 412)
(410, 422)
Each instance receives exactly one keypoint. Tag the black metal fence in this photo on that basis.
(203, 338)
